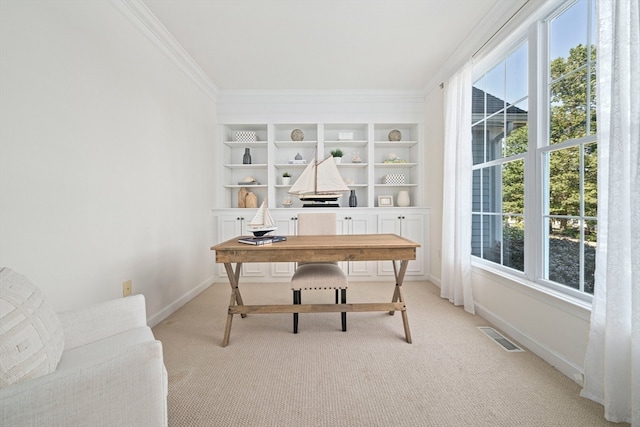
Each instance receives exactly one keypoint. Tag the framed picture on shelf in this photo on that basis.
(385, 201)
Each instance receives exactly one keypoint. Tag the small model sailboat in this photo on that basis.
(320, 183)
(262, 223)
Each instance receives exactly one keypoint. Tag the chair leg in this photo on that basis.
(296, 300)
(344, 313)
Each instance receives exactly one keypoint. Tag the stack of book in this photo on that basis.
(263, 240)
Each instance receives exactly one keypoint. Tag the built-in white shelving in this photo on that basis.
(273, 153)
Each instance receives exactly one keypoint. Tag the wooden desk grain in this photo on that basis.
(319, 248)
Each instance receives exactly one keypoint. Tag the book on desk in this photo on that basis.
(263, 240)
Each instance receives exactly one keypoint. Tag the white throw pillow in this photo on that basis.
(31, 337)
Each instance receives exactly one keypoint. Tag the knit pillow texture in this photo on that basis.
(31, 337)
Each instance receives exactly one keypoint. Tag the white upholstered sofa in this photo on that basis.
(96, 366)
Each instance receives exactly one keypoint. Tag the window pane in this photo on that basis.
(476, 195)
(568, 30)
(513, 187)
(477, 142)
(517, 129)
(492, 189)
(590, 232)
(517, 75)
(495, 137)
(491, 238)
(569, 107)
(476, 235)
(495, 88)
(591, 180)
(564, 252)
(593, 125)
(564, 182)
(513, 242)
(477, 105)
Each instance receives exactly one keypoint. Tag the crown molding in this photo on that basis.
(320, 96)
(150, 26)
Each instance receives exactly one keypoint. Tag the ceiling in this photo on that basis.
(330, 44)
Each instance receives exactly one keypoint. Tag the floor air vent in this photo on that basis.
(496, 336)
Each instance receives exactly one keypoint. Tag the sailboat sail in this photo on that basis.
(263, 222)
(322, 178)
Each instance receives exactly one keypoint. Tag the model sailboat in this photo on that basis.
(320, 183)
(262, 223)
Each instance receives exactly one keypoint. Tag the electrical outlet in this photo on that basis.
(127, 288)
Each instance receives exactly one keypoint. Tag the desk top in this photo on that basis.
(320, 248)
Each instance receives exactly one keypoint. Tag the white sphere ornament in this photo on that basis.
(297, 135)
(395, 135)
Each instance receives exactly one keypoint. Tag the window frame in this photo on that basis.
(535, 32)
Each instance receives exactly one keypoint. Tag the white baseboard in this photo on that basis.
(435, 280)
(173, 307)
(556, 360)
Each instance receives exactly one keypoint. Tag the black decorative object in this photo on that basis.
(353, 200)
(246, 159)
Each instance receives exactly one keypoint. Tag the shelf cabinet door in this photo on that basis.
(286, 223)
(357, 224)
(411, 226)
(230, 226)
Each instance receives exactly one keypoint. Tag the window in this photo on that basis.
(499, 131)
(535, 154)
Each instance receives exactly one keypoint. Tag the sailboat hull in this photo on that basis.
(259, 232)
(331, 197)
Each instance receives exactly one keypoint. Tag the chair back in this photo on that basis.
(316, 223)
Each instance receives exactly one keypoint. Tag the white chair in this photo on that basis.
(318, 275)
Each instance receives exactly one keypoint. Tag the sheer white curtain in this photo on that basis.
(612, 361)
(456, 198)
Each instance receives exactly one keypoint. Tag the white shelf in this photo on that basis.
(295, 144)
(396, 165)
(251, 144)
(395, 185)
(391, 144)
(290, 165)
(245, 166)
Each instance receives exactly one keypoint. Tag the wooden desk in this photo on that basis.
(355, 247)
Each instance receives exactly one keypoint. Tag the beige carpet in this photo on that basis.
(452, 374)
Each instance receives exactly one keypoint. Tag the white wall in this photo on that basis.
(554, 328)
(105, 158)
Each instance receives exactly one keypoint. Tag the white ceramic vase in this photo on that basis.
(403, 199)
